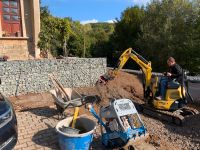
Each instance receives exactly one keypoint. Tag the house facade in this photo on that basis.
(19, 29)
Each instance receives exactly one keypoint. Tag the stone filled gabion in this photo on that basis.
(31, 76)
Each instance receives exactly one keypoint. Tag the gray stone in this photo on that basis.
(32, 76)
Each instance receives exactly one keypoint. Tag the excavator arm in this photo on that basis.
(143, 63)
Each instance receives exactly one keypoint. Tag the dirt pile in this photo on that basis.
(31, 101)
(123, 86)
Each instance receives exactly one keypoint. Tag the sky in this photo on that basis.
(90, 11)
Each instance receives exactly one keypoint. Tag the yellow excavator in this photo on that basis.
(173, 107)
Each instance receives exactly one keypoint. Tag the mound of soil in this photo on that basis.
(125, 85)
(31, 101)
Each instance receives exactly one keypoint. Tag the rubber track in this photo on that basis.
(192, 109)
(168, 116)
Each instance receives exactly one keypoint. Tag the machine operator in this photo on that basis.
(174, 72)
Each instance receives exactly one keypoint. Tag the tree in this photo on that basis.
(55, 33)
(63, 36)
(47, 29)
(169, 30)
(127, 29)
(100, 40)
(78, 43)
(65, 29)
(125, 35)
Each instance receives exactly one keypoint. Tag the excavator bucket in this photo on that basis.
(106, 77)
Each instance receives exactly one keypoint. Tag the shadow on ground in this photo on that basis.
(97, 144)
(47, 138)
(45, 112)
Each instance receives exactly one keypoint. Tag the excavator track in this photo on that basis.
(177, 117)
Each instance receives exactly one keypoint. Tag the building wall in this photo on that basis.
(36, 25)
(30, 15)
(29, 28)
(14, 48)
(32, 76)
(27, 18)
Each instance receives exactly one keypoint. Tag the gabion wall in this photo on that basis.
(32, 76)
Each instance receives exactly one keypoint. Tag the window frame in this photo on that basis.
(11, 21)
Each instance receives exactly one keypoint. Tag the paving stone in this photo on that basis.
(38, 134)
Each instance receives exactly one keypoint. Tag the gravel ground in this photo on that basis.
(170, 136)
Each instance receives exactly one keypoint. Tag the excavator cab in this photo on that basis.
(176, 94)
(172, 97)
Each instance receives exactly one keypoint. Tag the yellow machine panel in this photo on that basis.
(171, 95)
(163, 104)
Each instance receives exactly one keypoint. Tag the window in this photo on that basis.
(6, 10)
(11, 22)
(6, 17)
(14, 11)
(15, 18)
(5, 3)
(13, 3)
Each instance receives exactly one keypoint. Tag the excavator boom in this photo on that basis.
(142, 62)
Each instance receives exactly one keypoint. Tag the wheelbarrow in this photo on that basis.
(75, 100)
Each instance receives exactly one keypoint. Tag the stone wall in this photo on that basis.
(14, 48)
(31, 76)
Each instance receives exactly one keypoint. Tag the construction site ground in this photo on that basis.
(37, 117)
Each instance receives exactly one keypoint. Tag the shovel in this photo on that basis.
(72, 130)
(75, 116)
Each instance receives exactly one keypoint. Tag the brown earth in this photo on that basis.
(163, 136)
(123, 86)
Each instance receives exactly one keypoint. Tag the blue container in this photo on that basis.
(76, 141)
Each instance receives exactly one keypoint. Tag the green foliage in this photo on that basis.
(163, 28)
(55, 33)
(100, 36)
(128, 28)
(63, 36)
(89, 39)
(170, 29)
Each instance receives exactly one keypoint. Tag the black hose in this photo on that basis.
(184, 85)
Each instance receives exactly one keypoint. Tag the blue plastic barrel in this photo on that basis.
(76, 141)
